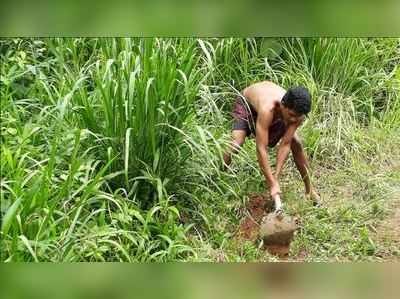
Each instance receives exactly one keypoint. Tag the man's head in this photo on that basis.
(296, 103)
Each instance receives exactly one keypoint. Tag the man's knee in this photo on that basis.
(238, 139)
(236, 145)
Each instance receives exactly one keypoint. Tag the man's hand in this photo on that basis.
(275, 194)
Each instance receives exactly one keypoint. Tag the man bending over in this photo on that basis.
(273, 114)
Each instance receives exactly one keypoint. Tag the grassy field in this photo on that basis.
(111, 149)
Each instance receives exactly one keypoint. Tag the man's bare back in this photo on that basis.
(263, 95)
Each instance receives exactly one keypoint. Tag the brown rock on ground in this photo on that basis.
(277, 233)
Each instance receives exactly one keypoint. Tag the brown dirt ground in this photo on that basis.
(389, 229)
(255, 210)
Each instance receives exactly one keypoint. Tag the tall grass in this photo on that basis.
(130, 110)
(134, 100)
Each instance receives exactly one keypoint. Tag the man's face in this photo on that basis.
(290, 116)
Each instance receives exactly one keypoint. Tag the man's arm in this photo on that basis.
(284, 148)
(263, 122)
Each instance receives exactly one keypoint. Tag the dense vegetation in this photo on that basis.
(111, 148)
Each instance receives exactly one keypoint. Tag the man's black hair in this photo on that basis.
(297, 99)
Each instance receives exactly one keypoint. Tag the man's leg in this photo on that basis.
(302, 165)
(238, 138)
(301, 162)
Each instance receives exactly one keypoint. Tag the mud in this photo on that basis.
(249, 229)
(260, 223)
(256, 208)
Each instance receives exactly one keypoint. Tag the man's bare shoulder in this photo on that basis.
(266, 112)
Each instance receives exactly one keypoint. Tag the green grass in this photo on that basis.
(111, 148)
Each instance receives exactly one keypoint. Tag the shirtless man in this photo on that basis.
(272, 114)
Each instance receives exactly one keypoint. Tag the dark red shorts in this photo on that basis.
(245, 118)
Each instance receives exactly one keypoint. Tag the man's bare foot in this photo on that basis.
(314, 197)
